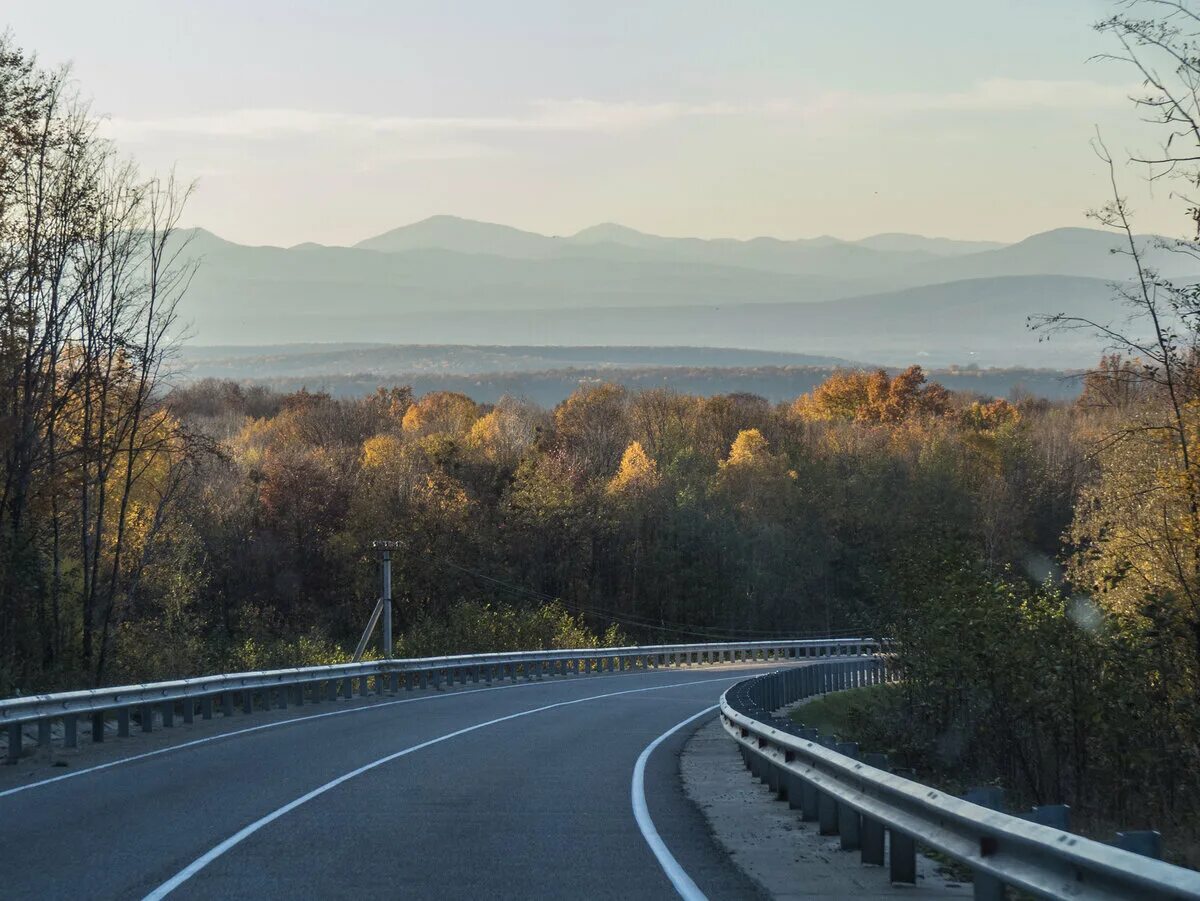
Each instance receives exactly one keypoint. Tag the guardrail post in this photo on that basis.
(70, 730)
(14, 741)
(756, 766)
(226, 703)
(848, 823)
(794, 786)
(247, 701)
(146, 718)
(872, 834)
(168, 714)
(98, 726)
(827, 814)
(774, 778)
(347, 687)
(43, 739)
(987, 886)
(206, 707)
(1146, 842)
(903, 857)
(189, 710)
(1056, 815)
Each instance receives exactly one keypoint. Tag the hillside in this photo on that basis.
(322, 360)
(778, 384)
(452, 281)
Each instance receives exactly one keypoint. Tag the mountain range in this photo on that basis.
(890, 298)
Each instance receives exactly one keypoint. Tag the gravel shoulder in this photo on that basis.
(770, 844)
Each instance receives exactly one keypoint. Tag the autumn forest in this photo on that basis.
(1036, 561)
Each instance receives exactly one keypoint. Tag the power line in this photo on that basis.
(627, 619)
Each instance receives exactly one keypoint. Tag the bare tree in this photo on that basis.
(1149, 461)
(91, 271)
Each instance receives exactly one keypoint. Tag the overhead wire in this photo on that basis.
(630, 619)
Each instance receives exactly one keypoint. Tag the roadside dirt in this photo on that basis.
(771, 845)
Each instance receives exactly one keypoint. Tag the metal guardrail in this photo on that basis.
(162, 701)
(860, 800)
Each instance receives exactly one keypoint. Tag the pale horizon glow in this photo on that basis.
(332, 123)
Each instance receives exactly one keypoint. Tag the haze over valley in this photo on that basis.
(891, 299)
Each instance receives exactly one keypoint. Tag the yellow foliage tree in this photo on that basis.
(446, 412)
(638, 473)
(863, 396)
(755, 478)
(748, 449)
(381, 451)
(504, 434)
(994, 417)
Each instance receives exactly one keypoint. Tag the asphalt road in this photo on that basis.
(517, 791)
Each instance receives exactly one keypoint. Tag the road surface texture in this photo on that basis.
(513, 791)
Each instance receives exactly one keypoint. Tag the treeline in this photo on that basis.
(669, 517)
(664, 516)
(552, 385)
(1083, 689)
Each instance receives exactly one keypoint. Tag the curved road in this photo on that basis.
(514, 791)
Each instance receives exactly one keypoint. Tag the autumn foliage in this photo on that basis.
(861, 396)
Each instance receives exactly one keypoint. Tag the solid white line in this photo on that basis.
(295, 719)
(241, 835)
(211, 738)
(688, 890)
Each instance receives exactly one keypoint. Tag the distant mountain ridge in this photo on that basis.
(342, 359)
(452, 281)
(469, 236)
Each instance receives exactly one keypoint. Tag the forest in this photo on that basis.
(1036, 561)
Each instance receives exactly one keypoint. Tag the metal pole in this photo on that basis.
(387, 604)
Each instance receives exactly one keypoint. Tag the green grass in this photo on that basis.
(842, 714)
(839, 712)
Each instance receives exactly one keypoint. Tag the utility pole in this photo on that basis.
(383, 605)
(385, 548)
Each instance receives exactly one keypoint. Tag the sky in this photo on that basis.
(332, 122)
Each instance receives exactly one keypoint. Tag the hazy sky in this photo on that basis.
(332, 121)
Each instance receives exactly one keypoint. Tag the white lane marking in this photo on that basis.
(299, 719)
(242, 834)
(211, 738)
(688, 890)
